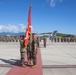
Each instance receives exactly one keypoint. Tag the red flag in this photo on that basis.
(28, 29)
(29, 19)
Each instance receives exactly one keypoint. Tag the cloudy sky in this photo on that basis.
(47, 15)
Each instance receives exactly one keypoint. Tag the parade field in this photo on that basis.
(57, 58)
(37, 37)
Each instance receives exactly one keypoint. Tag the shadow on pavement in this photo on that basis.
(14, 62)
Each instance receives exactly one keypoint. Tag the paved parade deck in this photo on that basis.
(57, 59)
(18, 70)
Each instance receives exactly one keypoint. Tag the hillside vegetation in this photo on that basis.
(60, 34)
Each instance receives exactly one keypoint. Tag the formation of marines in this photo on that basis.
(31, 49)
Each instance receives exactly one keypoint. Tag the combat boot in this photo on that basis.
(23, 65)
(30, 62)
(34, 66)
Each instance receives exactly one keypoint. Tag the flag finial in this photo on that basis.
(30, 4)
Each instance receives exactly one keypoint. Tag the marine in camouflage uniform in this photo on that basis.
(29, 50)
(44, 41)
(34, 50)
(38, 42)
(22, 51)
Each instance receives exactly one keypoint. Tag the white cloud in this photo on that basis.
(13, 28)
(22, 28)
(53, 2)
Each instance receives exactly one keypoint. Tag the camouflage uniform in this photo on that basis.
(29, 49)
(38, 42)
(22, 52)
(44, 41)
(34, 51)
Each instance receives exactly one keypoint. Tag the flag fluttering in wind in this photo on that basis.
(28, 29)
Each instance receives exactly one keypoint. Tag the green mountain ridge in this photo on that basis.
(60, 34)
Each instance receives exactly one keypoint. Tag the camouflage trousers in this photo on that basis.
(33, 57)
(44, 44)
(22, 53)
(29, 55)
(22, 57)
